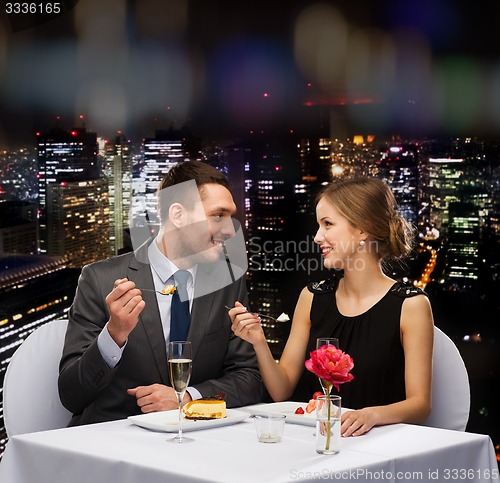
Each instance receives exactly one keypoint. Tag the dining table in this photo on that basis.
(137, 450)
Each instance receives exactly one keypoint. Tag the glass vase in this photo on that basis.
(328, 411)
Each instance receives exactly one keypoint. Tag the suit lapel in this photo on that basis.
(140, 273)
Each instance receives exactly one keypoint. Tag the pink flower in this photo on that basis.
(331, 364)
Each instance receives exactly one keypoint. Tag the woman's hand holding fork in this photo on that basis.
(246, 324)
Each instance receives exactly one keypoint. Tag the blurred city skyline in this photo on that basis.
(412, 67)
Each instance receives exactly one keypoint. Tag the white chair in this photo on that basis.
(30, 395)
(450, 386)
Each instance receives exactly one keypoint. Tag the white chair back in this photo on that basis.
(30, 395)
(450, 386)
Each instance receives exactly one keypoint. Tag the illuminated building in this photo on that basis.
(315, 160)
(483, 201)
(445, 177)
(33, 290)
(272, 173)
(118, 171)
(398, 167)
(161, 154)
(463, 235)
(78, 221)
(62, 156)
(237, 164)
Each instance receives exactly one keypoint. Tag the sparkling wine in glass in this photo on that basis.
(321, 341)
(179, 363)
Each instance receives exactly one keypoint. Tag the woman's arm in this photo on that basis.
(417, 336)
(280, 379)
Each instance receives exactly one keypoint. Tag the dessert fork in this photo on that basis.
(153, 290)
(258, 314)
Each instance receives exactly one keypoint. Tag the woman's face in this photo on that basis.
(337, 237)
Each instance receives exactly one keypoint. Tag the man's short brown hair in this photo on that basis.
(197, 171)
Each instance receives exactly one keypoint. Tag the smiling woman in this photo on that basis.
(386, 326)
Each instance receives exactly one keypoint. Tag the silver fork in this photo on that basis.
(258, 314)
(152, 290)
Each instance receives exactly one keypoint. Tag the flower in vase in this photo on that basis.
(331, 364)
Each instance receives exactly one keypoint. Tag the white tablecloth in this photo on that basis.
(122, 452)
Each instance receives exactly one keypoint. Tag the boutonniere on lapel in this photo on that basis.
(168, 289)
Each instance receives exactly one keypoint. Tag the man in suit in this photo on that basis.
(114, 362)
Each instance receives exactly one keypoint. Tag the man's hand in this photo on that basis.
(157, 397)
(124, 303)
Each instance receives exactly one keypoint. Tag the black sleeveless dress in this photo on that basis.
(372, 339)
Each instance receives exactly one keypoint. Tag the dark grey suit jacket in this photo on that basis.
(222, 362)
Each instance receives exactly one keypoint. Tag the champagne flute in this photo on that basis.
(180, 362)
(321, 341)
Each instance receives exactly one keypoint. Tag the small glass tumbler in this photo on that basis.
(328, 409)
(269, 427)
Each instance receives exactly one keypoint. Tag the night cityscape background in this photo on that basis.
(98, 104)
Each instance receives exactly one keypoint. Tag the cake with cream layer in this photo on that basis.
(205, 409)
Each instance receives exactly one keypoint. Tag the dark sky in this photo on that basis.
(226, 66)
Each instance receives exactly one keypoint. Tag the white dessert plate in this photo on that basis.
(287, 408)
(168, 421)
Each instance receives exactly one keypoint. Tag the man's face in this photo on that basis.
(209, 224)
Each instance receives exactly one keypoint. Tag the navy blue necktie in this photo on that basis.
(180, 318)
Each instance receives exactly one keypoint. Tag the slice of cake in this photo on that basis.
(206, 408)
